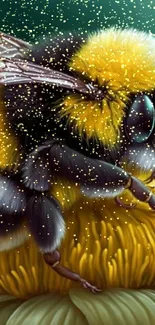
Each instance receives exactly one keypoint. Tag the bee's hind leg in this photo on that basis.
(47, 226)
(53, 260)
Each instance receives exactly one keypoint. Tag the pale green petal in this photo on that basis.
(8, 305)
(47, 309)
(81, 307)
(129, 307)
(4, 298)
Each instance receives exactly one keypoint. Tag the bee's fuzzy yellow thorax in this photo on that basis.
(125, 60)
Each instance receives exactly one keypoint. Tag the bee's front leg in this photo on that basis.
(96, 178)
(141, 192)
(53, 260)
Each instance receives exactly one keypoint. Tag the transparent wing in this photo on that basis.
(17, 71)
(11, 47)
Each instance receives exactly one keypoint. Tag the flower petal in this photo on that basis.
(116, 306)
(47, 309)
(8, 305)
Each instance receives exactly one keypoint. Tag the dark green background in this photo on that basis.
(31, 19)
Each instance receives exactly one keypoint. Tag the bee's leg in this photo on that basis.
(47, 226)
(135, 186)
(141, 192)
(12, 204)
(53, 260)
(96, 178)
(45, 220)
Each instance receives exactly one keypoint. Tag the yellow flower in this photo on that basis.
(110, 246)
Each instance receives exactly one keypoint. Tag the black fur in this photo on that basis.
(13, 202)
(55, 52)
(36, 172)
(45, 221)
(33, 110)
(56, 160)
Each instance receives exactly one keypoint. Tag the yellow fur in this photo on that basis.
(66, 193)
(125, 61)
(86, 116)
(15, 238)
(9, 151)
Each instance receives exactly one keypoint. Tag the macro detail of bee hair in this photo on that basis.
(78, 112)
(119, 62)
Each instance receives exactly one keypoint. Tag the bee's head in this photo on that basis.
(95, 93)
(114, 64)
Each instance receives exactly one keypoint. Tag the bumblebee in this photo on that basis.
(72, 109)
